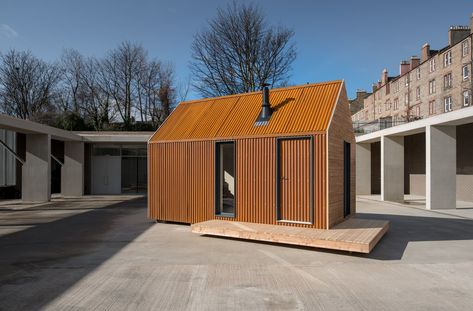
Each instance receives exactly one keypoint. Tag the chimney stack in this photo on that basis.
(404, 67)
(415, 61)
(384, 77)
(361, 94)
(374, 87)
(457, 34)
(471, 24)
(265, 107)
(425, 52)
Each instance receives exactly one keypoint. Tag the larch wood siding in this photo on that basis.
(182, 181)
(340, 130)
(295, 179)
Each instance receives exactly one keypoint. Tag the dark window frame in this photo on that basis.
(346, 179)
(217, 179)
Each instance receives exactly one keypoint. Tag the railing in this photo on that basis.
(364, 127)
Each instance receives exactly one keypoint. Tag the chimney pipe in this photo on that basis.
(265, 107)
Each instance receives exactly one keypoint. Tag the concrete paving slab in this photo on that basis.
(108, 256)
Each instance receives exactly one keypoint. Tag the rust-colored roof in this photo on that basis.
(305, 108)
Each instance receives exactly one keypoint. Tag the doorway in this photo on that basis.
(294, 186)
(346, 179)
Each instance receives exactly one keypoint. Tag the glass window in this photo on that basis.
(465, 48)
(225, 179)
(134, 151)
(432, 86)
(447, 81)
(106, 151)
(447, 59)
(466, 72)
(466, 98)
(432, 65)
(432, 107)
(448, 104)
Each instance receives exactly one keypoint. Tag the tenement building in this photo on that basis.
(414, 132)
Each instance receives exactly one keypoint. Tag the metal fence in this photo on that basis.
(364, 127)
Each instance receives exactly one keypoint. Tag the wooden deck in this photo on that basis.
(352, 235)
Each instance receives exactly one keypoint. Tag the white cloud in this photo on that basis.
(7, 32)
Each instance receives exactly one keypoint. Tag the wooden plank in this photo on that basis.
(353, 235)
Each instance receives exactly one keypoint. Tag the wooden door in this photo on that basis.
(294, 174)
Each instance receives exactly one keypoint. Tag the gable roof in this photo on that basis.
(305, 108)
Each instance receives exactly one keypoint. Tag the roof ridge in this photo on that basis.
(258, 92)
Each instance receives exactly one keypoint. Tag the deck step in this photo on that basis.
(353, 235)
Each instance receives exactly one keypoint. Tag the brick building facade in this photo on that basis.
(438, 82)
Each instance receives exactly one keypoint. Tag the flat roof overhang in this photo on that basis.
(115, 137)
(30, 127)
(453, 118)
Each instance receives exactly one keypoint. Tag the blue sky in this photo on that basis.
(351, 40)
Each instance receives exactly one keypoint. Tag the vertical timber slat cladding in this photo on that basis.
(303, 141)
(340, 132)
(184, 179)
(294, 180)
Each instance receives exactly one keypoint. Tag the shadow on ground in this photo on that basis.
(28, 256)
(404, 229)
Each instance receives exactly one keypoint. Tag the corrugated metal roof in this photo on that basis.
(306, 108)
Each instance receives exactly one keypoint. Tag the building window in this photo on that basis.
(432, 86)
(447, 101)
(447, 59)
(466, 98)
(418, 93)
(396, 103)
(387, 106)
(447, 81)
(225, 179)
(432, 65)
(418, 73)
(380, 109)
(466, 72)
(465, 48)
(417, 111)
(432, 107)
(406, 80)
(406, 99)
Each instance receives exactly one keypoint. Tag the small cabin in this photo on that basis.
(283, 156)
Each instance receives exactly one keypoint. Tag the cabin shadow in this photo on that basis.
(47, 259)
(404, 229)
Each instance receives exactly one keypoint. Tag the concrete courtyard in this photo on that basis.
(102, 253)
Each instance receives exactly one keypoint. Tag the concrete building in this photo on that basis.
(414, 131)
(38, 160)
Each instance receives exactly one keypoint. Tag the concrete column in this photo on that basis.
(36, 172)
(72, 172)
(392, 168)
(363, 168)
(441, 167)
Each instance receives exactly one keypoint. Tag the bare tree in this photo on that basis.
(72, 67)
(239, 51)
(27, 85)
(95, 105)
(120, 73)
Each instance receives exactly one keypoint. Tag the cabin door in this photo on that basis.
(294, 180)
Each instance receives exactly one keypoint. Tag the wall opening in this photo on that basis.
(225, 179)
